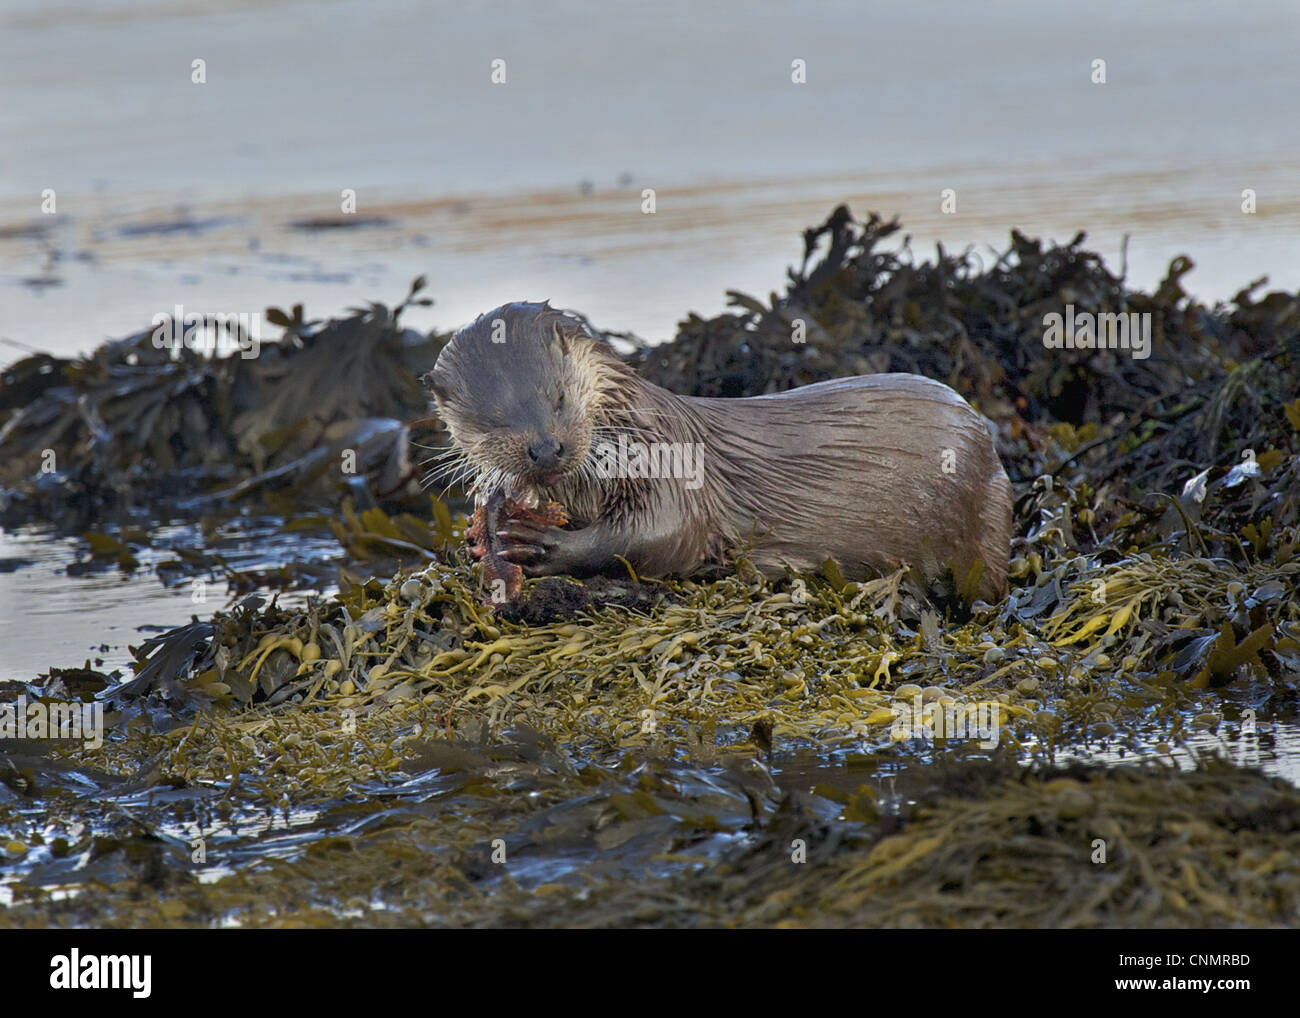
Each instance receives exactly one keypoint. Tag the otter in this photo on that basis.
(873, 471)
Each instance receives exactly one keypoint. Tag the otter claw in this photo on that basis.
(520, 553)
(526, 534)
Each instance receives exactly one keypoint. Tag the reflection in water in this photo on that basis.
(48, 617)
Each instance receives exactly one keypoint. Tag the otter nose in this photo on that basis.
(546, 453)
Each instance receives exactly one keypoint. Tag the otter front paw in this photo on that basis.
(543, 550)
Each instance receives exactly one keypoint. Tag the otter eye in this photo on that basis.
(559, 402)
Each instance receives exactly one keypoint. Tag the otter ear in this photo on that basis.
(562, 338)
(437, 384)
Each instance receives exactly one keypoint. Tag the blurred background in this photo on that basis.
(225, 196)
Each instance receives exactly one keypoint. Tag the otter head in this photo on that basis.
(520, 392)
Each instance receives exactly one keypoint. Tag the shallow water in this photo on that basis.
(173, 192)
(555, 843)
(48, 617)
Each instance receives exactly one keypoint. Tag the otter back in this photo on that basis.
(871, 471)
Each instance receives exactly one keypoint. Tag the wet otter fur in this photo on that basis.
(872, 471)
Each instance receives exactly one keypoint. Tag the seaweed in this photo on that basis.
(308, 414)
